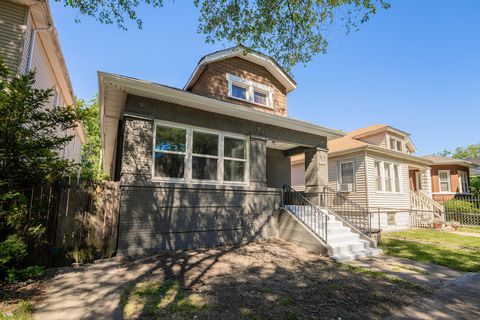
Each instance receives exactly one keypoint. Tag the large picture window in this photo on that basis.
(196, 155)
(388, 177)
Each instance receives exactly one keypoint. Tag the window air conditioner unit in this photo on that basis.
(346, 187)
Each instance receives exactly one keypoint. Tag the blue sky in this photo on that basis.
(415, 66)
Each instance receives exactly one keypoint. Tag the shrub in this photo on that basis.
(24, 274)
(13, 249)
(460, 206)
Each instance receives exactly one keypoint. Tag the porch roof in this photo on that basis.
(347, 145)
(113, 90)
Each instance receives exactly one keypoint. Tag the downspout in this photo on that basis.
(32, 44)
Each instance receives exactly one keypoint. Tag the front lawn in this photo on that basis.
(436, 237)
(471, 229)
(270, 280)
(454, 258)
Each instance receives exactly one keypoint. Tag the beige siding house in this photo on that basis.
(29, 42)
(373, 167)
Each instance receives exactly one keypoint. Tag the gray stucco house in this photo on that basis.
(205, 165)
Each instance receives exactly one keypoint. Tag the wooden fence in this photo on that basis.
(81, 221)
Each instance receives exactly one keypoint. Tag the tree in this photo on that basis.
(471, 151)
(91, 151)
(291, 31)
(31, 137)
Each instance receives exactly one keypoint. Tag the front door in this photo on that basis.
(418, 180)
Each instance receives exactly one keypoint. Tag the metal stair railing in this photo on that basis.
(348, 210)
(309, 214)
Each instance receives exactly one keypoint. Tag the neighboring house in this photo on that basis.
(375, 168)
(204, 165)
(475, 171)
(29, 42)
(450, 177)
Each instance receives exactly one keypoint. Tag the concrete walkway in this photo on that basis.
(456, 294)
(456, 299)
(425, 274)
(89, 293)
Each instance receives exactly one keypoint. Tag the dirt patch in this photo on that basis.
(269, 280)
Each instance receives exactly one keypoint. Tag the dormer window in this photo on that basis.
(396, 144)
(253, 92)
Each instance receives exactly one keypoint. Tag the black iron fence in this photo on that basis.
(348, 210)
(310, 215)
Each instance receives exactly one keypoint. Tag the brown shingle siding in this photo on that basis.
(213, 83)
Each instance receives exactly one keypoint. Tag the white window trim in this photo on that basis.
(353, 171)
(449, 191)
(461, 182)
(392, 177)
(250, 86)
(189, 154)
(402, 143)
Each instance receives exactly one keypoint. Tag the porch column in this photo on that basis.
(316, 172)
(258, 162)
(426, 177)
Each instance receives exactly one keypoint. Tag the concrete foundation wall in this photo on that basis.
(154, 219)
(291, 230)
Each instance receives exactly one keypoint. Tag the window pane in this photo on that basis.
(205, 143)
(234, 170)
(239, 92)
(169, 165)
(399, 145)
(388, 177)
(444, 186)
(234, 148)
(204, 168)
(378, 177)
(170, 139)
(397, 178)
(347, 172)
(392, 144)
(259, 97)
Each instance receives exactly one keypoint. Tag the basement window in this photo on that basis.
(250, 91)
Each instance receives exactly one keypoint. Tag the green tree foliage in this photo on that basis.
(91, 151)
(30, 146)
(291, 31)
(469, 152)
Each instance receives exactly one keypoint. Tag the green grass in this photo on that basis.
(161, 299)
(379, 275)
(454, 258)
(470, 229)
(23, 312)
(436, 236)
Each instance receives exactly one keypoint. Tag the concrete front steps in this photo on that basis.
(346, 245)
(342, 244)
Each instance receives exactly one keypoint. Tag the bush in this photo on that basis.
(13, 249)
(24, 274)
(460, 206)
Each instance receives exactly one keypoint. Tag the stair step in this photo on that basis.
(357, 255)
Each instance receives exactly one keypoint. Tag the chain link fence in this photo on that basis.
(448, 229)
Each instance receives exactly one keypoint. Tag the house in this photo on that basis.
(450, 177)
(475, 171)
(205, 165)
(375, 167)
(29, 42)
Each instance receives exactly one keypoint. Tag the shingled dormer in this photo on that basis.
(244, 77)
